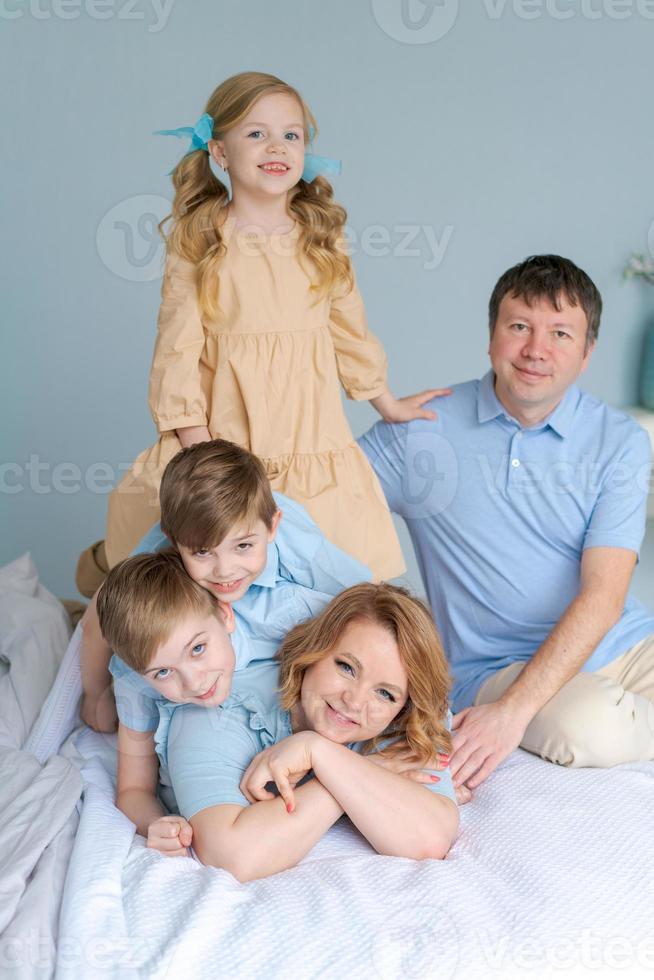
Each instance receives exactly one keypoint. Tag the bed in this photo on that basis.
(552, 874)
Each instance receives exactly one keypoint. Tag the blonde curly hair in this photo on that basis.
(421, 725)
(200, 198)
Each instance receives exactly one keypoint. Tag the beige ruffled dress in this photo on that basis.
(265, 374)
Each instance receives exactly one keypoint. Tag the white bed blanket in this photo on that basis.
(552, 876)
(34, 633)
(38, 802)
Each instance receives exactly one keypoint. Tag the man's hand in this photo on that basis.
(171, 835)
(404, 764)
(484, 735)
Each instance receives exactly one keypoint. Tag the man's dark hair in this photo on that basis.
(549, 277)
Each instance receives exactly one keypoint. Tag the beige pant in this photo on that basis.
(598, 719)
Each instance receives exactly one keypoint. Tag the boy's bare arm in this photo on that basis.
(138, 774)
(98, 705)
(136, 794)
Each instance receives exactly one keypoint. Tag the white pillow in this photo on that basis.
(34, 634)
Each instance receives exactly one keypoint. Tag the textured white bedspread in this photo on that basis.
(552, 876)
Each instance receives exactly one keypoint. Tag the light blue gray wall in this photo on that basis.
(525, 127)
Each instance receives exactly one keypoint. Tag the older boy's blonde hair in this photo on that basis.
(421, 725)
(208, 489)
(143, 600)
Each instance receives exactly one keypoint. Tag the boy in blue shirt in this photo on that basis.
(174, 636)
(245, 545)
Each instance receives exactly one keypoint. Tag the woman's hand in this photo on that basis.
(171, 835)
(407, 409)
(284, 764)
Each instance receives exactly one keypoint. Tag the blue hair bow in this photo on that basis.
(317, 166)
(202, 132)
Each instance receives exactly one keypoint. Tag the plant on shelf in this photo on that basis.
(641, 267)
(638, 267)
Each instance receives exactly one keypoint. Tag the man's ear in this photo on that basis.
(586, 360)
(273, 527)
(227, 615)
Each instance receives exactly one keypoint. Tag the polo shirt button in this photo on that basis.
(515, 462)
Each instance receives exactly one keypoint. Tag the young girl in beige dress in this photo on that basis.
(260, 320)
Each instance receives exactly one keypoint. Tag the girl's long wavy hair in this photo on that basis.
(200, 197)
(421, 725)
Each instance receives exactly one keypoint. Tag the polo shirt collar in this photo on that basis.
(270, 575)
(560, 420)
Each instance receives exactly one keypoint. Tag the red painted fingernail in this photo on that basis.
(435, 779)
(289, 808)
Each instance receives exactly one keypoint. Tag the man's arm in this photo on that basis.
(488, 733)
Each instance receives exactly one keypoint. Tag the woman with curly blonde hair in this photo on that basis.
(260, 320)
(362, 706)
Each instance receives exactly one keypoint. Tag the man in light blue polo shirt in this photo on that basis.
(526, 501)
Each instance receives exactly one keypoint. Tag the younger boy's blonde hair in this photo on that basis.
(208, 489)
(421, 725)
(143, 600)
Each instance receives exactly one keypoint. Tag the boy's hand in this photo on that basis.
(409, 408)
(171, 835)
(98, 711)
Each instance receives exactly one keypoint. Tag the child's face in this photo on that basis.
(229, 569)
(359, 686)
(196, 663)
(264, 153)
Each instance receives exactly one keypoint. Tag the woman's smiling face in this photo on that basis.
(358, 687)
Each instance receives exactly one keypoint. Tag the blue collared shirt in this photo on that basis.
(303, 572)
(499, 516)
